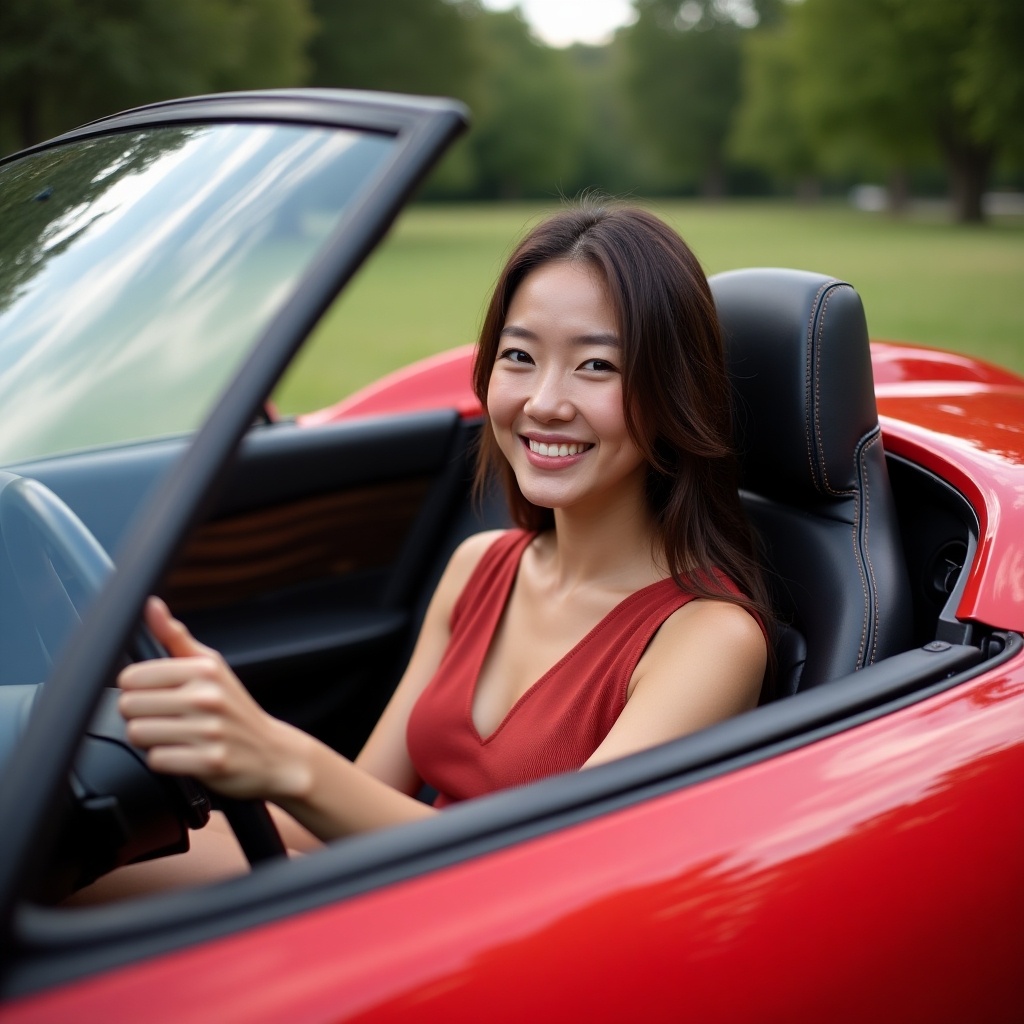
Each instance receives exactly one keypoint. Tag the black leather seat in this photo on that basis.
(813, 474)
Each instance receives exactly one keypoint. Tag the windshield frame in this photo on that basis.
(422, 129)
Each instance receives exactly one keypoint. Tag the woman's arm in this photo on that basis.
(194, 717)
(705, 664)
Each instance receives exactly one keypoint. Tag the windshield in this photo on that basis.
(137, 270)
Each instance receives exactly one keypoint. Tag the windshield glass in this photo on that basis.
(137, 270)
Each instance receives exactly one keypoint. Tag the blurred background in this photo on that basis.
(878, 140)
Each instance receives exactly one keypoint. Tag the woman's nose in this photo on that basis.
(550, 399)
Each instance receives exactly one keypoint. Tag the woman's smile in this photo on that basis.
(560, 451)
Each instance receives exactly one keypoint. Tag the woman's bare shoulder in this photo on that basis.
(465, 558)
(715, 638)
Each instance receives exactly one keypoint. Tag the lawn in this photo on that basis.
(922, 280)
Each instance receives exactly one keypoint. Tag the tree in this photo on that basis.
(770, 128)
(429, 47)
(992, 76)
(414, 46)
(605, 159)
(906, 79)
(683, 78)
(530, 122)
(67, 61)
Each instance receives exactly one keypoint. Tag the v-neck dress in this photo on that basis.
(560, 721)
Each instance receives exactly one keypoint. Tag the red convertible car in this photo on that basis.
(852, 850)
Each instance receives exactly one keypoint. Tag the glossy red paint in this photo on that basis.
(716, 903)
(964, 420)
(438, 382)
(892, 362)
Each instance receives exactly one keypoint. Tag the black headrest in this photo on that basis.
(797, 351)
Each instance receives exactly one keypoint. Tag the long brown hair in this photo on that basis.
(676, 392)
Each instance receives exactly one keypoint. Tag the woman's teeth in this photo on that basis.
(560, 450)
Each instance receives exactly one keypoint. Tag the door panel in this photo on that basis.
(313, 569)
(308, 574)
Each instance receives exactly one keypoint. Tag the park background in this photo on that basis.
(881, 141)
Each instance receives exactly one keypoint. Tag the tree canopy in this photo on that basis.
(890, 83)
(696, 95)
(418, 46)
(683, 79)
(63, 62)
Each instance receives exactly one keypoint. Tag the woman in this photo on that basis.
(627, 610)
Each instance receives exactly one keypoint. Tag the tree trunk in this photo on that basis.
(808, 189)
(898, 191)
(968, 165)
(712, 184)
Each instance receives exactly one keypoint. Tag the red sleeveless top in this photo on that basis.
(560, 721)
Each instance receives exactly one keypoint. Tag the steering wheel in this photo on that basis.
(59, 566)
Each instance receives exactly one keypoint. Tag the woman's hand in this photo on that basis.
(193, 716)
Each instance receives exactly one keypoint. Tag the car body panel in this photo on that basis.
(739, 913)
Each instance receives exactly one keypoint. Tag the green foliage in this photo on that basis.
(63, 62)
(683, 78)
(529, 123)
(608, 160)
(694, 95)
(415, 46)
(904, 80)
(991, 78)
(770, 129)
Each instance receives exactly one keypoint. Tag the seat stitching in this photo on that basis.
(829, 489)
(810, 392)
(863, 585)
(867, 547)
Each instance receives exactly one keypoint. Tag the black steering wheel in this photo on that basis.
(59, 566)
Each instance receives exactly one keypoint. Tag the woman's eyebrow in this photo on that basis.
(598, 338)
(512, 331)
(601, 338)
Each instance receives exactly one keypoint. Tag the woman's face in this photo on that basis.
(555, 391)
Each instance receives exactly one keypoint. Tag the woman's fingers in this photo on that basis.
(153, 731)
(174, 635)
(200, 763)
(168, 672)
(192, 715)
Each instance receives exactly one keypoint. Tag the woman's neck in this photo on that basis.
(611, 545)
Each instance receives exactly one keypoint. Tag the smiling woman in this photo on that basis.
(602, 370)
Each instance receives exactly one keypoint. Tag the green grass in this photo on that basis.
(922, 280)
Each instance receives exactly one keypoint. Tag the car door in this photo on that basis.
(162, 268)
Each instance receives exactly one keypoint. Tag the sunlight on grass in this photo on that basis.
(424, 290)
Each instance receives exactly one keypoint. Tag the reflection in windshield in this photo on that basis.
(136, 270)
(41, 199)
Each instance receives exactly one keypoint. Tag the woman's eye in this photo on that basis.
(515, 355)
(598, 366)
